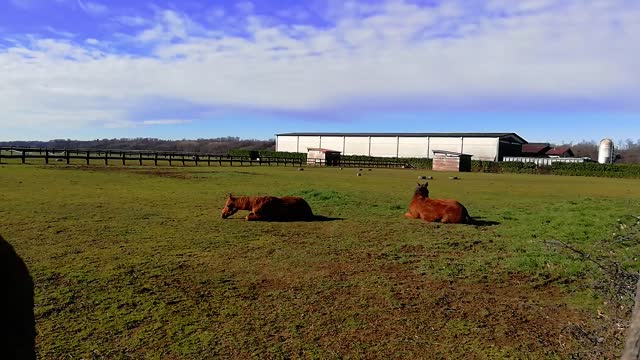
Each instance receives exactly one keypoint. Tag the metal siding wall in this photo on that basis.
(384, 146)
(308, 142)
(481, 148)
(356, 145)
(333, 143)
(444, 143)
(413, 147)
(288, 143)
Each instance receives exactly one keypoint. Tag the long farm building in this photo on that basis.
(481, 146)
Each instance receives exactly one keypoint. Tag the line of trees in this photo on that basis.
(627, 152)
(206, 146)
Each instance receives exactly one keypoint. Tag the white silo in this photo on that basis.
(605, 151)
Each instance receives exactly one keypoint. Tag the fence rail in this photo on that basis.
(125, 156)
(171, 158)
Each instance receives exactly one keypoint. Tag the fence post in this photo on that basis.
(123, 158)
(220, 160)
(196, 160)
(182, 159)
(208, 160)
(106, 157)
(24, 156)
(155, 159)
(170, 158)
(1, 156)
(88, 155)
(632, 343)
(140, 159)
(66, 155)
(46, 157)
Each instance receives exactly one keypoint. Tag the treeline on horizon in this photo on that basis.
(220, 145)
(627, 152)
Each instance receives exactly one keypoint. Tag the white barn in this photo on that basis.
(482, 146)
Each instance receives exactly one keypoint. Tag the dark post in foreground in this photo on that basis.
(632, 345)
(17, 320)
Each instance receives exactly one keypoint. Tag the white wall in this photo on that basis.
(390, 146)
(413, 147)
(384, 146)
(481, 148)
(287, 143)
(356, 145)
(305, 142)
(332, 143)
(444, 143)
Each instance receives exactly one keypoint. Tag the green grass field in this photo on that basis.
(136, 262)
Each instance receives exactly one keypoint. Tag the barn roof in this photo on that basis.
(465, 134)
(535, 148)
(323, 150)
(560, 150)
(450, 153)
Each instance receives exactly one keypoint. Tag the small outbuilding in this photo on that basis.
(451, 161)
(321, 156)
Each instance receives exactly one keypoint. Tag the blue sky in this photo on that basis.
(550, 70)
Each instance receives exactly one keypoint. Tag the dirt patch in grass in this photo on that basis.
(452, 317)
(366, 306)
(166, 173)
(175, 173)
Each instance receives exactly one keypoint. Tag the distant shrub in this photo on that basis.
(557, 168)
(240, 153)
(422, 163)
(485, 166)
(253, 154)
(596, 169)
(518, 167)
(282, 154)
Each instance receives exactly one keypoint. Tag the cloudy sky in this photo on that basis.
(552, 70)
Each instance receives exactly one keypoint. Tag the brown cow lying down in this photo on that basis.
(436, 210)
(269, 208)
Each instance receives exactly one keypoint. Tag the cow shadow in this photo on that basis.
(480, 221)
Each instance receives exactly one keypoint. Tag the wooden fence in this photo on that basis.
(140, 156)
(124, 157)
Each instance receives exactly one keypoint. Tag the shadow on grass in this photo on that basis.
(479, 221)
(316, 218)
(325, 218)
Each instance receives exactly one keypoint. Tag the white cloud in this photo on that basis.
(121, 124)
(93, 8)
(165, 122)
(566, 50)
(92, 41)
(132, 20)
(64, 34)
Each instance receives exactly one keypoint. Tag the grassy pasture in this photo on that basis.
(135, 262)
